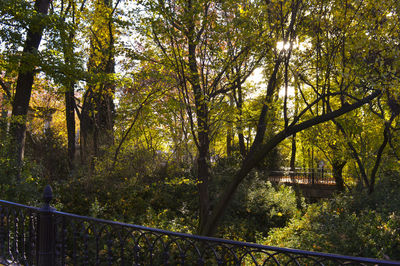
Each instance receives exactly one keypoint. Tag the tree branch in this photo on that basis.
(130, 128)
(257, 154)
(6, 88)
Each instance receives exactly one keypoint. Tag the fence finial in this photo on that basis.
(47, 197)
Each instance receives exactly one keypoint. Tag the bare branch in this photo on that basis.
(142, 104)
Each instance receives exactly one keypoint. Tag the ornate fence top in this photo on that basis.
(44, 236)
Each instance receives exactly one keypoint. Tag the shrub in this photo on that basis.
(140, 191)
(355, 224)
(18, 185)
(257, 206)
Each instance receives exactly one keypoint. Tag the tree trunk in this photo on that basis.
(25, 81)
(296, 186)
(242, 145)
(229, 141)
(3, 118)
(378, 159)
(68, 50)
(203, 173)
(293, 154)
(98, 110)
(249, 162)
(256, 154)
(203, 143)
(355, 155)
(337, 171)
(70, 119)
(229, 132)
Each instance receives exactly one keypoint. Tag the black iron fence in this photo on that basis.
(303, 176)
(44, 236)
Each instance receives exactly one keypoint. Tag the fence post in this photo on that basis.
(322, 174)
(312, 175)
(46, 230)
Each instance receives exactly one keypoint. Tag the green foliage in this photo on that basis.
(353, 223)
(18, 185)
(48, 151)
(14, 18)
(182, 67)
(143, 189)
(257, 207)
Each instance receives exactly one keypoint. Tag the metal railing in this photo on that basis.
(44, 236)
(317, 176)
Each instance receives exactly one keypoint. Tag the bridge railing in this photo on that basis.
(44, 236)
(303, 176)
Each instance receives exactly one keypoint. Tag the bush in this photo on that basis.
(257, 206)
(143, 191)
(18, 185)
(48, 151)
(355, 224)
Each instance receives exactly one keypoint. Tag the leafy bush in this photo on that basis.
(143, 191)
(18, 185)
(353, 223)
(48, 151)
(150, 191)
(257, 206)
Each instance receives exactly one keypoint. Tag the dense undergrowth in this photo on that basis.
(150, 191)
(353, 223)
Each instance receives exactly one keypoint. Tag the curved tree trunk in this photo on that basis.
(337, 171)
(258, 152)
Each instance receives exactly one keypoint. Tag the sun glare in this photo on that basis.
(282, 45)
(302, 46)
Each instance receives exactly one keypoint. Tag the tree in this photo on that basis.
(188, 39)
(324, 96)
(98, 111)
(67, 36)
(26, 74)
(379, 66)
(327, 138)
(363, 146)
(185, 36)
(185, 91)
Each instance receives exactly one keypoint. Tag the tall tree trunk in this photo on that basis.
(242, 145)
(363, 173)
(3, 118)
(98, 110)
(203, 141)
(229, 132)
(238, 96)
(378, 159)
(203, 172)
(26, 74)
(249, 161)
(229, 139)
(70, 120)
(296, 186)
(294, 142)
(68, 50)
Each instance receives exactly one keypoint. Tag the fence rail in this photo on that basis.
(44, 236)
(318, 176)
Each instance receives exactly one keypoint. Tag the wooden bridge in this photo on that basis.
(313, 183)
